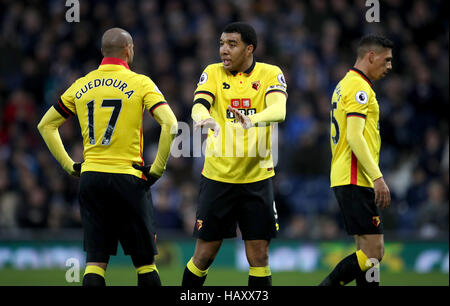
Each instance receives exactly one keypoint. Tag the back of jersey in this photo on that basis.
(109, 103)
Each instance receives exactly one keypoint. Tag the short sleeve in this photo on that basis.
(356, 98)
(276, 81)
(66, 103)
(207, 85)
(152, 96)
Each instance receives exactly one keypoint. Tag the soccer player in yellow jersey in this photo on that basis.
(114, 195)
(356, 178)
(237, 100)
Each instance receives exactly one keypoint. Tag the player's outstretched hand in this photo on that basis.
(146, 171)
(208, 123)
(382, 193)
(76, 169)
(241, 118)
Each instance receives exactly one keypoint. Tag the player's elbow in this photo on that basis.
(351, 139)
(172, 124)
(282, 115)
(41, 127)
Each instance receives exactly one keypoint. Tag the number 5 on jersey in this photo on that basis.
(117, 104)
(335, 123)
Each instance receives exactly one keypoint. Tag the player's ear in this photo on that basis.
(127, 51)
(371, 56)
(250, 49)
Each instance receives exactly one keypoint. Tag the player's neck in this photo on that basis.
(247, 64)
(363, 68)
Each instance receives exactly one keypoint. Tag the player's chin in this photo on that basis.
(227, 65)
(384, 74)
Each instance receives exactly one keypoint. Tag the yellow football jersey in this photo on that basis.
(109, 103)
(237, 155)
(353, 96)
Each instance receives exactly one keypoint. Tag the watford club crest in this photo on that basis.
(199, 224)
(256, 85)
(376, 221)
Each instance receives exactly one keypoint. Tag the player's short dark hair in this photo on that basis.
(373, 40)
(248, 34)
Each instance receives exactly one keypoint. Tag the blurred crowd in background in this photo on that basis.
(313, 42)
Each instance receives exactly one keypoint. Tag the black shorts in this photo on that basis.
(116, 207)
(361, 215)
(223, 206)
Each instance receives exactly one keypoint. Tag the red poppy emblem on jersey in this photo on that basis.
(376, 221)
(199, 224)
(256, 85)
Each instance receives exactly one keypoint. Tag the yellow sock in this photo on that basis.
(363, 261)
(259, 271)
(146, 269)
(94, 269)
(196, 271)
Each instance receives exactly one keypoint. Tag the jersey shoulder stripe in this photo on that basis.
(356, 115)
(62, 109)
(203, 102)
(206, 93)
(156, 105)
(276, 90)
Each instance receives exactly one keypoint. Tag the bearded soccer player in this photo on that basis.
(114, 195)
(237, 100)
(356, 178)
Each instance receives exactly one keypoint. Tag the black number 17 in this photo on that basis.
(117, 104)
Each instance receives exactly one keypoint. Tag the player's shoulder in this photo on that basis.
(270, 73)
(211, 72)
(79, 81)
(140, 78)
(139, 75)
(269, 70)
(265, 67)
(215, 67)
(352, 82)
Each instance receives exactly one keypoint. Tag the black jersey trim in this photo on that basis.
(206, 93)
(203, 102)
(156, 105)
(276, 90)
(363, 75)
(356, 115)
(62, 109)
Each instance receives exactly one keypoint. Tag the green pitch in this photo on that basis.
(125, 276)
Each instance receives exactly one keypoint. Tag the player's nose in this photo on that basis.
(224, 50)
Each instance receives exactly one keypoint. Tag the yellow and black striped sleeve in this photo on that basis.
(62, 109)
